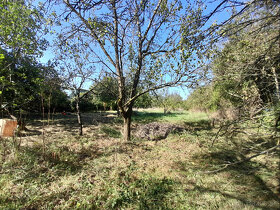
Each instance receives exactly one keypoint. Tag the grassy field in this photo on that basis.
(60, 170)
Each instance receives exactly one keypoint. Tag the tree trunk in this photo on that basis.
(53, 114)
(79, 118)
(126, 128)
(127, 124)
(49, 108)
(43, 118)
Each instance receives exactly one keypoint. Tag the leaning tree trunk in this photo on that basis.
(79, 118)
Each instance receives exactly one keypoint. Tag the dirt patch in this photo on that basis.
(156, 131)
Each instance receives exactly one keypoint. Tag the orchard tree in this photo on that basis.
(76, 73)
(200, 99)
(137, 41)
(106, 91)
(144, 101)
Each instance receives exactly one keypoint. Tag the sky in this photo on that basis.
(183, 91)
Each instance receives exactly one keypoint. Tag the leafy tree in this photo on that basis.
(138, 41)
(246, 68)
(21, 28)
(200, 99)
(106, 92)
(20, 43)
(60, 101)
(52, 90)
(20, 89)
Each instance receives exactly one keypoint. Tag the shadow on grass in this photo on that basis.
(254, 189)
(33, 164)
(138, 193)
(88, 118)
(45, 161)
(255, 204)
(260, 143)
(198, 125)
(111, 132)
(29, 132)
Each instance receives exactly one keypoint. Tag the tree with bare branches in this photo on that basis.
(76, 73)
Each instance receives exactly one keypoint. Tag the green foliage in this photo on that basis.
(24, 82)
(144, 101)
(245, 68)
(199, 99)
(21, 81)
(85, 104)
(248, 61)
(51, 89)
(169, 102)
(59, 101)
(106, 92)
(21, 29)
(20, 23)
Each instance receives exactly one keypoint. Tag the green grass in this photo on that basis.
(173, 117)
(99, 171)
(111, 132)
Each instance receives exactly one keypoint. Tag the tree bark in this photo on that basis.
(53, 114)
(127, 124)
(126, 129)
(79, 118)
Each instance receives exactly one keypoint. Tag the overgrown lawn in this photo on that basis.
(99, 171)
